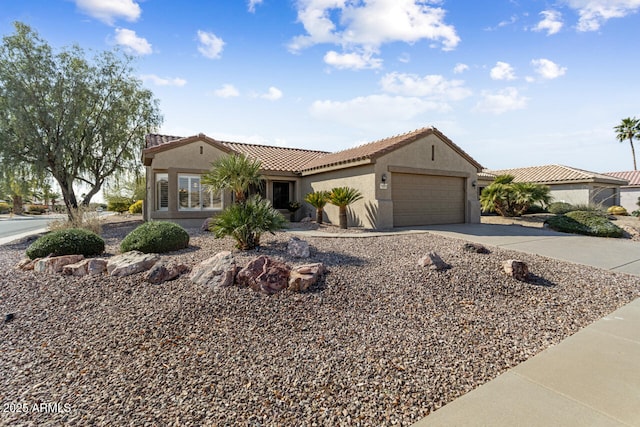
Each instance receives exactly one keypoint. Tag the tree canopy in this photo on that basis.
(79, 120)
(628, 129)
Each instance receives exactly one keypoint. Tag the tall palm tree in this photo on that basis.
(235, 172)
(629, 128)
(343, 197)
(318, 199)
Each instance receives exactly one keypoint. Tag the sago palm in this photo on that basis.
(236, 172)
(318, 199)
(343, 197)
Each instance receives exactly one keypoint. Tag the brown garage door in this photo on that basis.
(427, 199)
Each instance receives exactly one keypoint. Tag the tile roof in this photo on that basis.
(378, 148)
(632, 176)
(556, 174)
(298, 160)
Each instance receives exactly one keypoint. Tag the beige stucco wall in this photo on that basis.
(583, 194)
(629, 198)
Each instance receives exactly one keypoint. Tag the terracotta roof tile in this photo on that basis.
(632, 176)
(553, 174)
(276, 158)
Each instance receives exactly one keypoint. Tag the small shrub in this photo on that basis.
(37, 209)
(585, 222)
(83, 218)
(535, 209)
(4, 208)
(617, 210)
(636, 213)
(559, 208)
(590, 208)
(156, 237)
(118, 204)
(136, 208)
(73, 241)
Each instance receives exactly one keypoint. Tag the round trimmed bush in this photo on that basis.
(617, 210)
(156, 237)
(136, 208)
(72, 241)
(559, 208)
(585, 222)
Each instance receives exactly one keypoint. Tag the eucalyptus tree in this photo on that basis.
(628, 129)
(79, 120)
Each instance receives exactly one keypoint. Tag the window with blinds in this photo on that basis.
(162, 191)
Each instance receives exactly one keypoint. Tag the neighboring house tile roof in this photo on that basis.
(378, 148)
(556, 174)
(300, 160)
(632, 176)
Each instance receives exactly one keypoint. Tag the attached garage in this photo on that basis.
(427, 199)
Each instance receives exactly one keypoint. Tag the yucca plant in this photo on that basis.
(318, 199)
(342, 197)
(246, 222)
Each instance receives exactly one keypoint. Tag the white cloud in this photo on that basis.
(253, 4)
(273, 94)
(132, 43)
(460, 68)
(161, 81)
(432, 86)
(210, 45)
(594, 13)
(502, 71)
(502, 101)
(353, 60)
(551, 23)
(367, 25)
(371, 110)
(548, 69)
(109, 11)
(227, 91)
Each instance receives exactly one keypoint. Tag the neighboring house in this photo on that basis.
(630, 193)
(417, 178)
(567, 184)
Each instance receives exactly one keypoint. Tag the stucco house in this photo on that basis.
(417, 178)
(629, 193)
(567, 184)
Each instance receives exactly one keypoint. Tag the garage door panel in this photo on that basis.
(427, 199)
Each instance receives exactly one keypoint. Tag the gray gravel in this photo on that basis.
(380, 341)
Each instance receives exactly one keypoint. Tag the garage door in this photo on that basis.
(427, 199)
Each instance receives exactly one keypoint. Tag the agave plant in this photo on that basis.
(246, 222)
(342, 197)
(318, 200)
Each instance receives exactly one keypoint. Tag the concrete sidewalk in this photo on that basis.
(591, 378)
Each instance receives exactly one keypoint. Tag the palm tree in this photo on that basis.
(629, 128)
(317, 199)
(343, 197)
(235, 172)
(508, 198)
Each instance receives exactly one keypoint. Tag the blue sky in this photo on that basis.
(515, 83)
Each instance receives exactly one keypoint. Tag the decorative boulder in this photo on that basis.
(206, 224)
(265, 275)
(298, 248)
(433, 261)
(27, 264)
(304, 276)
(476, 248)
(55, 264)
(218, 271)
(130, 263)
(516, 269)
(161, 273)
(91, 266)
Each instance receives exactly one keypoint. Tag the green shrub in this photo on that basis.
(118, 204)
(136, 208)
(37, 209)
(617, 210)
(245, 222)
(536, 209)
(156, 237)
(559, 208)
(5, 208)
(73, 241)
(590, 207)
(585, 222)
(636, 213)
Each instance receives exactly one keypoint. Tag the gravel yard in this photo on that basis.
(380, 341)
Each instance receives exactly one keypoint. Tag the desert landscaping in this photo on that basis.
(379, 340)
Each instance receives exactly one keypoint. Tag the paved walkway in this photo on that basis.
(591, 378)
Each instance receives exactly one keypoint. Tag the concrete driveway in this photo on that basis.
(621, 255)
